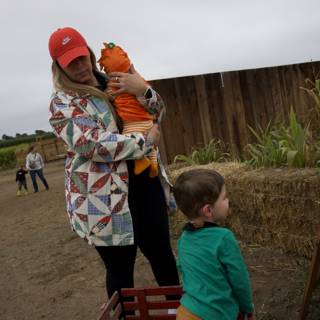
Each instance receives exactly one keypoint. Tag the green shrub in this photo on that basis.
(7, 159)
(266, 151)
(8, 156)
(281, 145)
(313, 91)
(22, 146)
(215, 151)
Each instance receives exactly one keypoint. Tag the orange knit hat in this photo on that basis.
(113, 58)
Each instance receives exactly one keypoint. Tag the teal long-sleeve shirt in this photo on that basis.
(214, 275)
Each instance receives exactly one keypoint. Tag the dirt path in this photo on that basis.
(47, 272)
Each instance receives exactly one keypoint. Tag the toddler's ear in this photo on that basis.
(207, 210)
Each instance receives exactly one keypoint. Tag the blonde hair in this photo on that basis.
(62, 82)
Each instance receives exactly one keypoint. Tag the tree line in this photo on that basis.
(7, 140)
(23, 135)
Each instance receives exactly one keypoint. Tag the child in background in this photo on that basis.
(215, 279)
(21, 180)
(134, 117)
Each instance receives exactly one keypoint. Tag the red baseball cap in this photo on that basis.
(67, 44)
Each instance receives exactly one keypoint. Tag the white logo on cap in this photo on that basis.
(65, 40)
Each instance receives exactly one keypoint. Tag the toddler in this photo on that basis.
(215, 279)
(21, 180)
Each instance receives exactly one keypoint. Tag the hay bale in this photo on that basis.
(275, 207)
(225, 169)
(61, 147)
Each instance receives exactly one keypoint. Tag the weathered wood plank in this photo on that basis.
(223, 105)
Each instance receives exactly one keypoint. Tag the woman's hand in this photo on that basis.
(110, 94)
(128, 82)
(155, 134)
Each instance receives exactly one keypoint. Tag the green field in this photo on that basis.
(22, 146)
(8, 155)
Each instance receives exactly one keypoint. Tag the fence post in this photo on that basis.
(313, 280)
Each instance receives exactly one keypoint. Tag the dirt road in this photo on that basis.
(47, 272)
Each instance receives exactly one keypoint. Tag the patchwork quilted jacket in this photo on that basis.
(96, 180)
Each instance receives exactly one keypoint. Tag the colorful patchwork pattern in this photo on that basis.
(96, 180)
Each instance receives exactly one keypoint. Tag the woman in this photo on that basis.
(34, 164)
(109, 206)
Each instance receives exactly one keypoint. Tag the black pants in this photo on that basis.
(22, 183)
(151, 231)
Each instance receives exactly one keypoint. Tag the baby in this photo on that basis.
(134, 117)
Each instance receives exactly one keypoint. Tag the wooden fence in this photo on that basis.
(222, 105)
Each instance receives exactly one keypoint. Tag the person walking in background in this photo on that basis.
(215, 279)
(21, 180)
(34, 164)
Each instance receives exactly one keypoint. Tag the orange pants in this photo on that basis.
(185, 314)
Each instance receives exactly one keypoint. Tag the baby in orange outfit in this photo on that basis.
(133, 115)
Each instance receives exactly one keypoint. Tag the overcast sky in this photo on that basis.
(164, 39)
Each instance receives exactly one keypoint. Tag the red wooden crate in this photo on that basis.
(142, 304)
